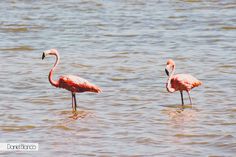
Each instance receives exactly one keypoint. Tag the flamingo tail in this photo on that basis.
(198, 83)
(95, 89)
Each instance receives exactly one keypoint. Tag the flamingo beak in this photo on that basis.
(43, 56)
(167, 72)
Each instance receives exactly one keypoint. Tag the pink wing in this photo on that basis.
(184, 82)
(77, 84)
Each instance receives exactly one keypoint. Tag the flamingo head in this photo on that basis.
(49, 52)
(169, 66)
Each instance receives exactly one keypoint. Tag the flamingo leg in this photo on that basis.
(182, 99)
(75, 102)
(190, 99)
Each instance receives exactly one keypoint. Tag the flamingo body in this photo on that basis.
(72, 83)
(77, 84)
(180, 82)
(184, 82)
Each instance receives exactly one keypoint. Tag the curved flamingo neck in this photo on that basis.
(53, 82)
(168, 84)
(173, 71)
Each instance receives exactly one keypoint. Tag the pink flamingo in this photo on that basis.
(180, 82)
(71, 83)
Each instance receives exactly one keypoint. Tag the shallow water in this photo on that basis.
(122, 46)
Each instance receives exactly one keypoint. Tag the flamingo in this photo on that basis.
(180, 82)
(72, 83)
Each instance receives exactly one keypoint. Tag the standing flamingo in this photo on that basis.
(180, 82)
(71, 83)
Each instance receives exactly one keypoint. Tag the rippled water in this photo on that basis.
(122, 46)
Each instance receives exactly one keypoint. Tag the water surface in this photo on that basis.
(121, 46)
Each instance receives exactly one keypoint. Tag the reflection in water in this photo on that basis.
(180, 115)
(70, 116)
(79, 114)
